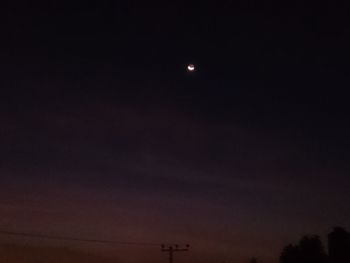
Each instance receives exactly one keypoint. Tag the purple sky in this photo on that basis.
(161, 175)
(104, 134)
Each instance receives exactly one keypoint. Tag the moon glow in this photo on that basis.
(190, 67)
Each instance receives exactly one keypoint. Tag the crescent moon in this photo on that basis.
(190, 67)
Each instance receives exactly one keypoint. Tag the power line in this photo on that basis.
(172, 249)
(65, 238)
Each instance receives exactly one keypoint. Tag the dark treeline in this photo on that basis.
(311, 250)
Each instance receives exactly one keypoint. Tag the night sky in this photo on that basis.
(105, 134)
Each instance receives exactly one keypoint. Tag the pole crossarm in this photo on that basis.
(171, 249)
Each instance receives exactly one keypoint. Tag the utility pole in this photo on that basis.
(173, 248)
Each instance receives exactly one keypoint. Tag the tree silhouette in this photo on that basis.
(290, 254)
(308, 250)
(312, 250)
(339, 245)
